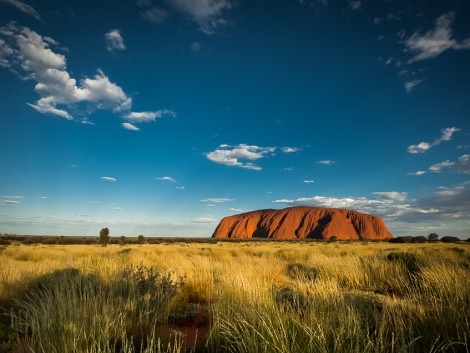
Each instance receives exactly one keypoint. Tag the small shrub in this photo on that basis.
(302, 272)
(411, 261)
(8, 337)
(289, 299)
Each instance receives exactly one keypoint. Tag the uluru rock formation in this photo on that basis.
(303, 222)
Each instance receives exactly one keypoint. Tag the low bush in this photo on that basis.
(450, 239)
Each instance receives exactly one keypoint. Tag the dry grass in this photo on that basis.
(262, 297)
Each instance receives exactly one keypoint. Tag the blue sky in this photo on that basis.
(161, 117)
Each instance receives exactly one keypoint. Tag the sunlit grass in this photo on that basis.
(260, 297)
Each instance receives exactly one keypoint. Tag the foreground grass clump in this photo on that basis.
(235, 297)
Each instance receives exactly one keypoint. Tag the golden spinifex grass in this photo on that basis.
(258, 297)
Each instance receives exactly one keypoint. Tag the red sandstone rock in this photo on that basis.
(303, 222)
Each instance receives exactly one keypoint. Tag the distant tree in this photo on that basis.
(333, 238)
(419, 239)
(141, 239)
(449, 239)
(122, 240)
(433, 237)
(406, 239)
(104, 236)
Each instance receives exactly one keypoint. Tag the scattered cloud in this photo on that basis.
(232, 155)
(287, 149)
(207, 14)
(463, 165)
(217, 200)
(412, 84)
(424, 146)
(129, 126)
(167, 178)
(325, 162)
(309, 181)
(117, 208)
(439, 166)
(391, 195)
(12, 201)
(30, 53)
(34, 57)
(180, 188)
(204, 220)
(436, 41)
(237, 210)
(108, 178)
(27, 9)
(16, 197)
(114, 41)
(419, 172)
(145, 117)
(447, 202)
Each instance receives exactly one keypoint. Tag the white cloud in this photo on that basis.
(411, 85)
(117, 208)
(420, 147)
(114, 41)
(287, 149)
(143, 117)
(12, 201)
(439, 166)
(30, 53)
(107, 178)
(325, 162)
(24, 8)
(16, 197)
(216, 200)
(424, 146)
(206, 13)
(180, 188)
(231, 155)
(204, 220)
(419, 172)
(309, 181)
(436, 41)
(392, 195)
(463, 165)
(129, 126)
(237, 210)
(167, 178)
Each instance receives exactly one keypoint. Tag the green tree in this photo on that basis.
(104, 236)
(433, 237)
(141, 239)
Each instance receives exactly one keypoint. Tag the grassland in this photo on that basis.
(235, 297)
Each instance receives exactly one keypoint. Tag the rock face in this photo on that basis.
(303, 222)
